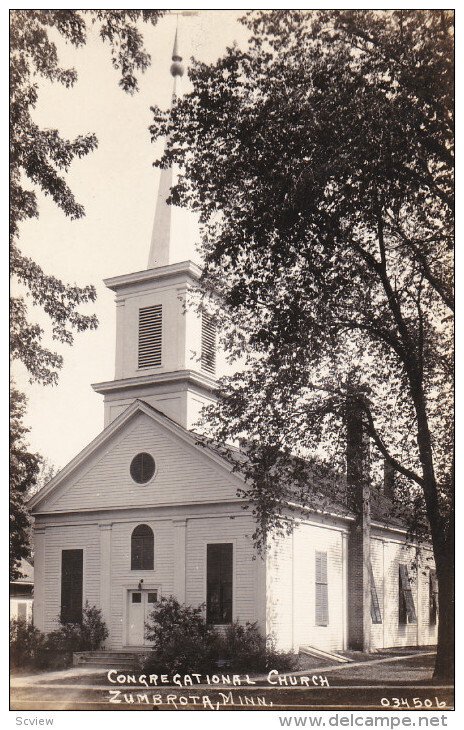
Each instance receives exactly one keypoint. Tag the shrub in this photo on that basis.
(93, 628)
(26, 643)
(54, 650)
(183, 642)
(88, 635)
(247, 650)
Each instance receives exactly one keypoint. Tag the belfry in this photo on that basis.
(165, 350)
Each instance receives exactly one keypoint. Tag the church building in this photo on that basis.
(147, 510)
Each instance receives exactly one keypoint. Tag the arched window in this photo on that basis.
(142, 548)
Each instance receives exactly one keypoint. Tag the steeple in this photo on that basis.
(165, 350)
(175, 230)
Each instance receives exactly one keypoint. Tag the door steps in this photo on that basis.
(319, 654)
(118, 659)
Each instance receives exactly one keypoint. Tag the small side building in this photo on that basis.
(22, 594)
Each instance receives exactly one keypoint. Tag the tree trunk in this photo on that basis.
(444, 664)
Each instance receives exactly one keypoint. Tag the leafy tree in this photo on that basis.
(42, 157)
(320, 159)
(24, 470)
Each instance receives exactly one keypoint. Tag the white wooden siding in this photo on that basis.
(377, 556)
(184, 473)
(309, 539)
(246, 599)
(397, 634)
(68, 537)
(124, 579)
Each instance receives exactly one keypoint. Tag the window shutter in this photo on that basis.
(208, 343)
(376, 614)
(219, 572)
(71, 585)
(408, 609)
(322, 599)
(150, 336)
(433, 596)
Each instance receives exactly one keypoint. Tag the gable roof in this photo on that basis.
(231, 458)
(138, 406)
(27, 574)
(329, 488)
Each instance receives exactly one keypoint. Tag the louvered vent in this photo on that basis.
(208, 343)
(150, 324)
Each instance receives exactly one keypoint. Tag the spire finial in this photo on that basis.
(177, 68)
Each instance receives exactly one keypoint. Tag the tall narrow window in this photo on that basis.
(219, 562)
(322, 598)
(376, 614)
(208, 343)
(72, 562)
(150, 336)
(406, 608)
(142, 548)
(433, 597)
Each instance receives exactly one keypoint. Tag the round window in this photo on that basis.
(142, 468)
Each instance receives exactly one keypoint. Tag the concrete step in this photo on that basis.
(107, 659)
(319, 654)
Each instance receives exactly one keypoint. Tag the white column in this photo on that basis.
(419, 597)
(180, 543)
(105, 571)
(39, 578)
(344, 590)
(384, 597)
(119, 358)
(260, 593)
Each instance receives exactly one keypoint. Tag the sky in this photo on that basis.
(117, 185)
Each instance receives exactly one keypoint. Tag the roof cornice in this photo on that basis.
(201, 380)
(116, 283)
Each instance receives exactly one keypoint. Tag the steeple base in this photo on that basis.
(180, 395)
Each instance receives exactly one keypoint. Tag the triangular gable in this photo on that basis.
(103, 467)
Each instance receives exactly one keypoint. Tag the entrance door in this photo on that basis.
(140, 605)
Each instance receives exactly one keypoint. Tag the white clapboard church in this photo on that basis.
(146, 511)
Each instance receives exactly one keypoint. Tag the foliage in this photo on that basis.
(26, 643)
(247, 650)
(24, 470)
(88, 635)
(93, 628)
(42, 157)
(30, 647)
(185, 643)
(320, 159)
(39, 160)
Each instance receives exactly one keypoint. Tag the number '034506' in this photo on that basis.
(415, 702)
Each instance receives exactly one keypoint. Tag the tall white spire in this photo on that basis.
(175, 229)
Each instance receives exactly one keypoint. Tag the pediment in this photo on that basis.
(99, 477)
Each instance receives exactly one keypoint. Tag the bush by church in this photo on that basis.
(184, 642)
(29, 647)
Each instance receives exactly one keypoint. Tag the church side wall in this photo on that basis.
(386, 555)
(290, 587)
